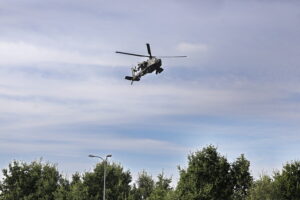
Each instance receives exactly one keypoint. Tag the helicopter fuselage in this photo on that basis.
(145, 67)
(149, 66)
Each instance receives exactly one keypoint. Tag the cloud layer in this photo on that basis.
(62, 88)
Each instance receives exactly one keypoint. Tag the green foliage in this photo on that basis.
(162, 189)
(32, 181)
(207, 176)
(78, 191)
(263, 188)
(117, 182)
(72, 191)
(62, 192)
(143, 187)
(241, 177)
(210, 176)
(38, 181)
(287, 183)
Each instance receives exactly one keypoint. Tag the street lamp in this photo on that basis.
(105, 163)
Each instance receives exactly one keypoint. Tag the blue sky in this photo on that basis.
(63, 94)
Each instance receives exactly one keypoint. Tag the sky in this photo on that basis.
(63, 94)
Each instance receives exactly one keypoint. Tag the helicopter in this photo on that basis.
(152, 64)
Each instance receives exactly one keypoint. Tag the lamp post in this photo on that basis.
(105, 163)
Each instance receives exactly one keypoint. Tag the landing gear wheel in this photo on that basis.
(159, 70)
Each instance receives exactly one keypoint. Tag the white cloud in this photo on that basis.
(36, 101)
(186, 47)
(23, 53)
(55, 143)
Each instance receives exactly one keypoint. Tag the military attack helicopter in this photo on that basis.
(152, 64)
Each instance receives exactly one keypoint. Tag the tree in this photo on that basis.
(72, 191)
(30, 181)
(207, 177)
(241, 177)
(78, 191)
(63, 191)
(143, 187)
(287, 183)
(263, 188)
(117, 182)
(162, 188)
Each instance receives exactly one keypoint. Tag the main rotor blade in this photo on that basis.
(171, 56)
(149, 50)
(132, 54)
